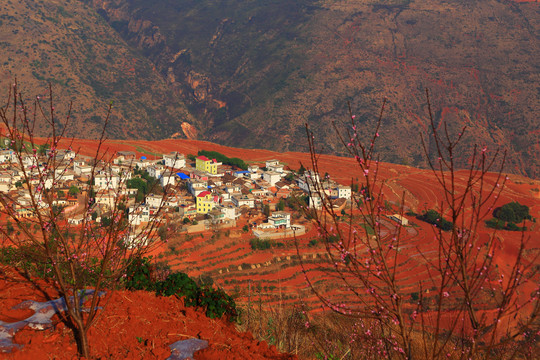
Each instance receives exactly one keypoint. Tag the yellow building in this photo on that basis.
(205, 202)
(202, 163)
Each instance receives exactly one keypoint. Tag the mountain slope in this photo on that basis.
(251, 73)
(254, 72)
(69, 44)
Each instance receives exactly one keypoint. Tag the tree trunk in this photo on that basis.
(82, 338)
(84, 349)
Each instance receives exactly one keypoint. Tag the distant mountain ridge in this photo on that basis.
(252, 73)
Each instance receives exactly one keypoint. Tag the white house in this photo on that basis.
(154, 200)
(155, 171)
(5, 187)
(106, 198)
(174, 160)
(139, 214)
(107, 181)
(315, 201)
(141, 164)
(172, 202)
(167, 179)
(80, 168)
(6, 156)
(309, 181)
(344, 192)
(66, 154)
(196, 187)
(29, 161)
(274, 165)
(280, 220)
(271, 177)
(229, 210)
(76, 220)
(272, 162)
(6, 177)
(243, 200)
(65, 175)
(399, 219)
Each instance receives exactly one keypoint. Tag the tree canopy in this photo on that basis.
(512, 212)
(224, 159)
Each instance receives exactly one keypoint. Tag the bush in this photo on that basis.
(260, 244)
(512, 212)
(332, 239)
(179, 284)
(495, 223)
(138, 275)
(239, 163)
(508, 215)
(215, 301)
(433, 217)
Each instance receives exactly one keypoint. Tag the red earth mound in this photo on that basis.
(132, 325)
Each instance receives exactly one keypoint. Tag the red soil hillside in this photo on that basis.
(275, 276)
(231, 262)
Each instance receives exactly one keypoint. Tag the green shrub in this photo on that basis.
(215, 302)
(179, 284)
(260, 244)
(224, 159)
(495, 223)
(512, 212)
(138, 275)
(433, 217)
(333, 239)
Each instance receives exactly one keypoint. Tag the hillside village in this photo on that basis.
(192, 194)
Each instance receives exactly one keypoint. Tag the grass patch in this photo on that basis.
(369, 230)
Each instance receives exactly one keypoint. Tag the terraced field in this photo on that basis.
(275, 276)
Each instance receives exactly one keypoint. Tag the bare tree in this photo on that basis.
(465, 307)
(81, 255)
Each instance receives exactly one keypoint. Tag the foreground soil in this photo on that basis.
(131, 325)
